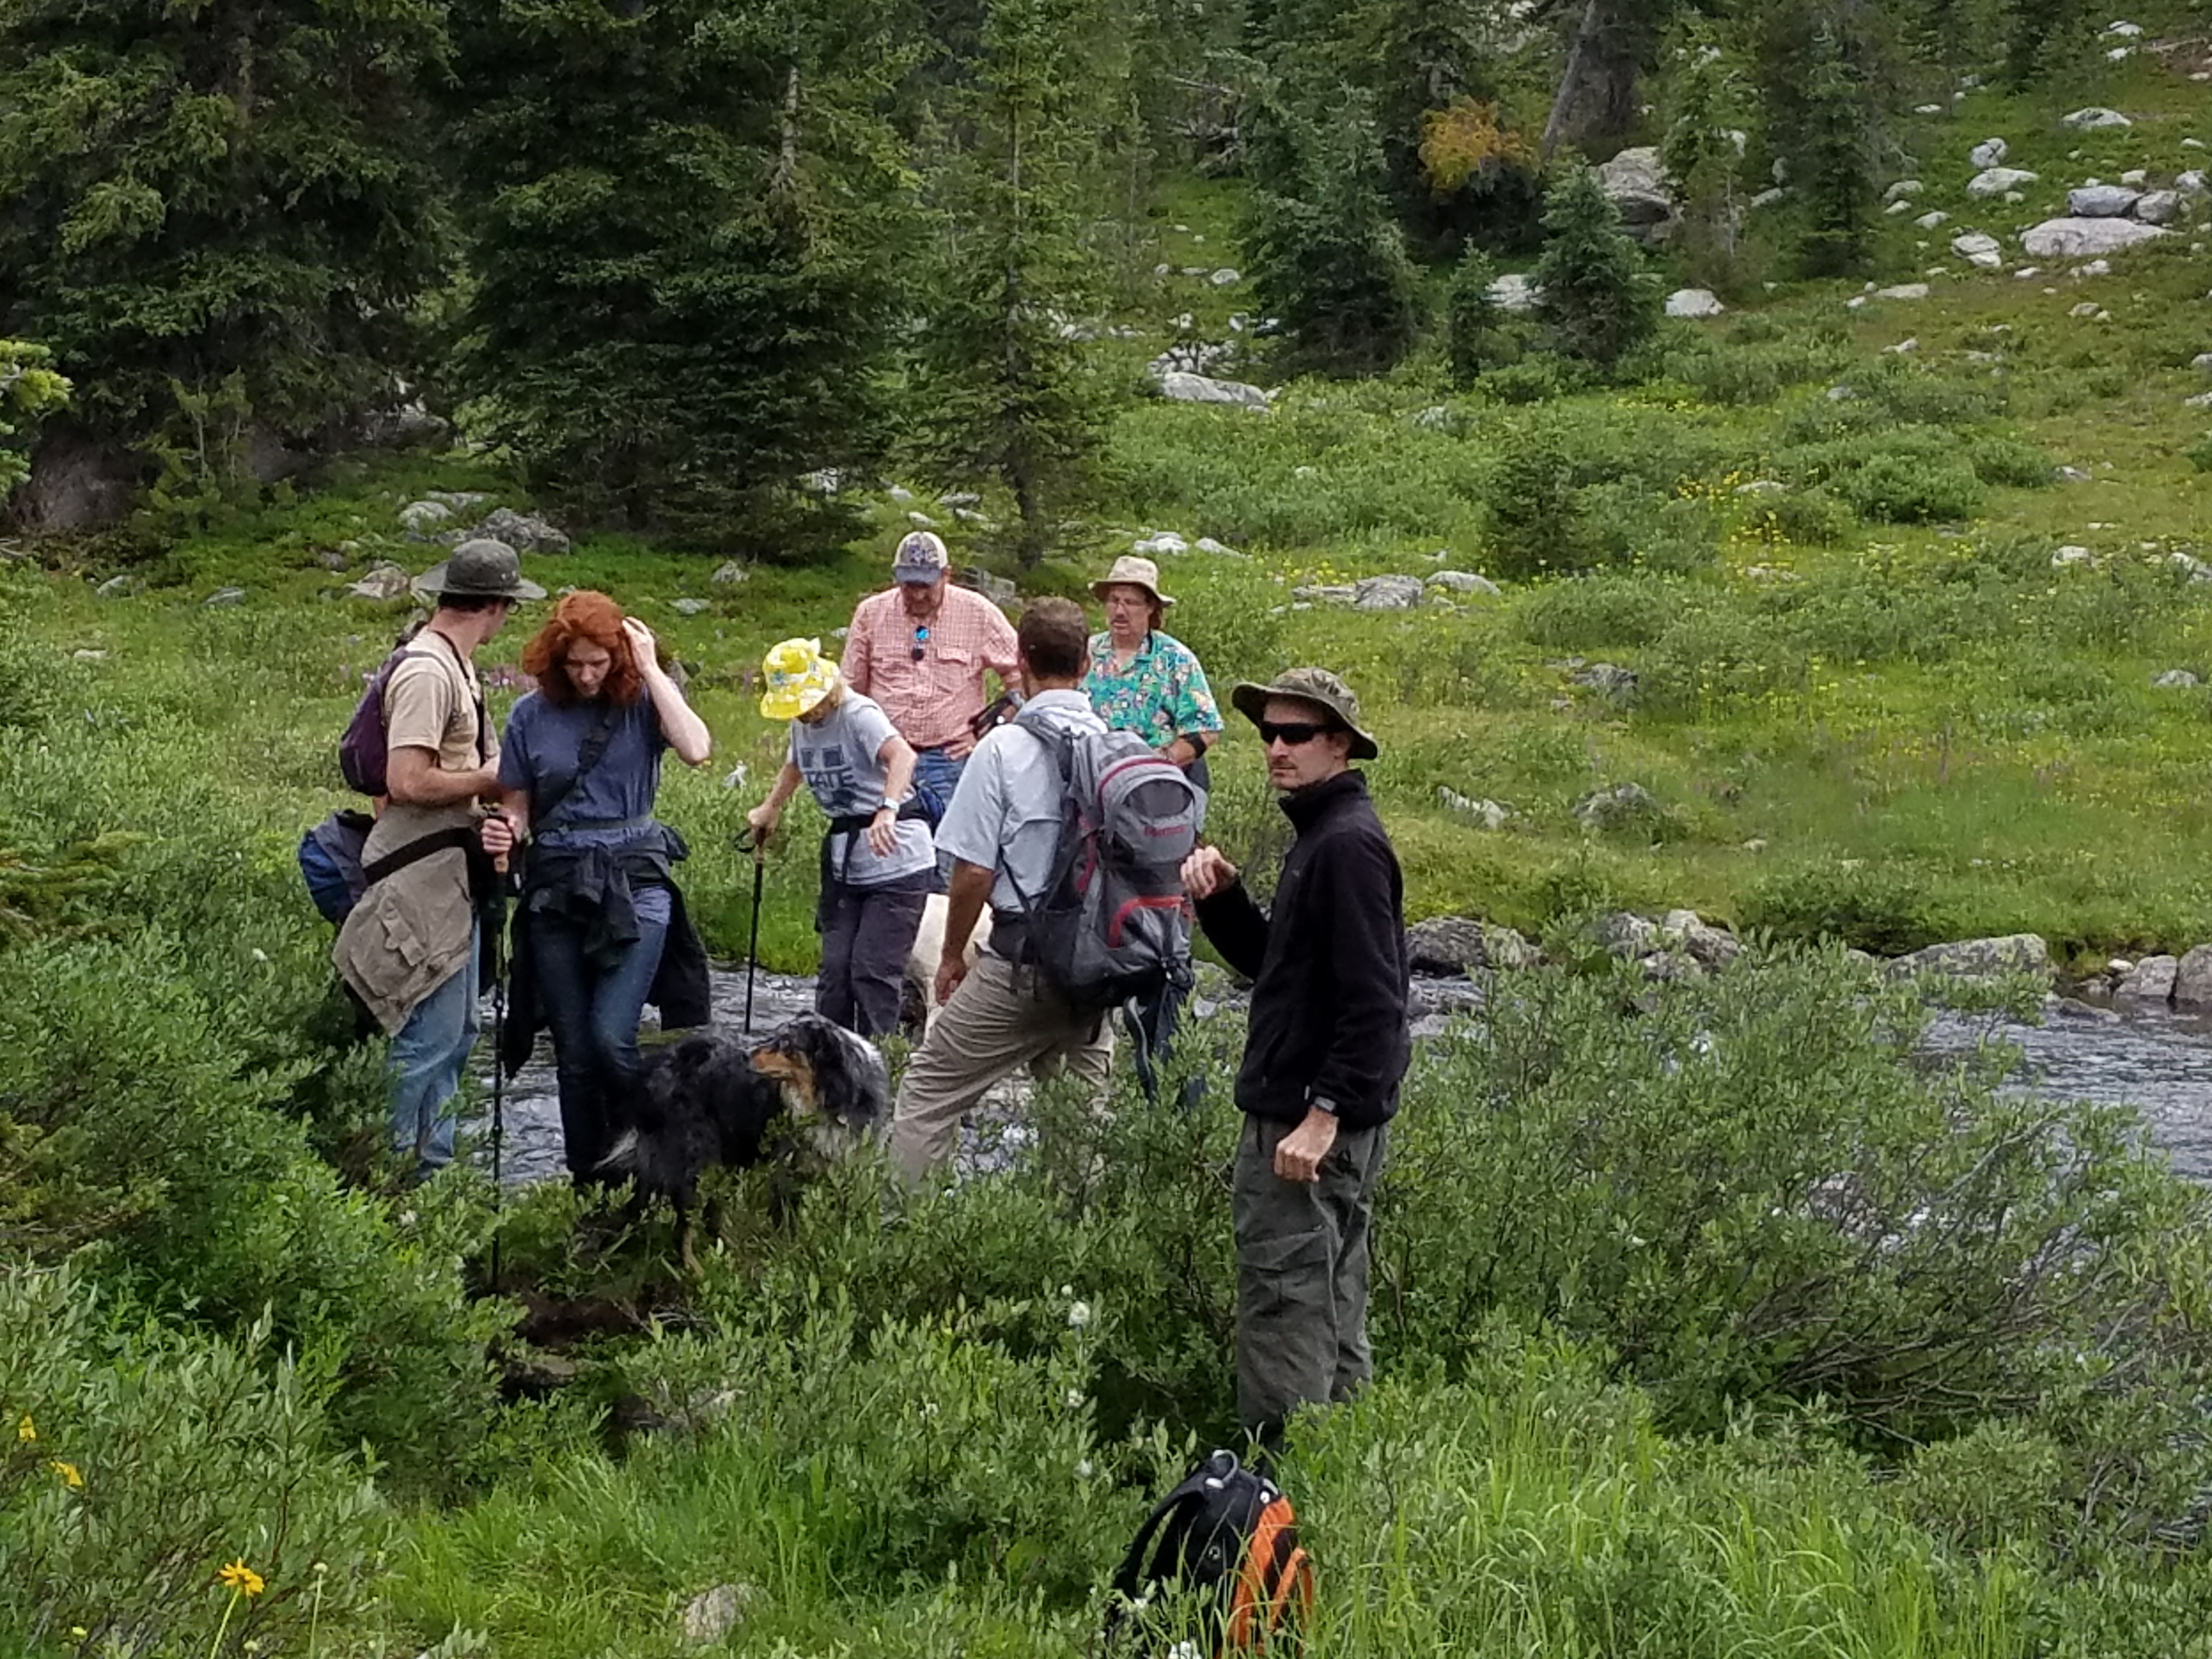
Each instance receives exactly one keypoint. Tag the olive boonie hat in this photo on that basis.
(479, 570)
(1317, 686)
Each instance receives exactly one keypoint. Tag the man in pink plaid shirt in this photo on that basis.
(920, 649)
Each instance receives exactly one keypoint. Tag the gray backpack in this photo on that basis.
(1113, 921)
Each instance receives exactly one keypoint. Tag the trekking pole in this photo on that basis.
(752, 944)
(498, 1054)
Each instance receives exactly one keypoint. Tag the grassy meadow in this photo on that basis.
(1705, 1322)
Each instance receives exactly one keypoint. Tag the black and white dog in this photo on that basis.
(798, 1097)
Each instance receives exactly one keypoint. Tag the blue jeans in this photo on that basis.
(593, 1008)
(425, 1059)
(938, 774)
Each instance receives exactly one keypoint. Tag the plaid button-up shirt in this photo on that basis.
(931, 700)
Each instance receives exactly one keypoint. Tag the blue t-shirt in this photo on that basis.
(540, 751)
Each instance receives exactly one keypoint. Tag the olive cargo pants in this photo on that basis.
(1301, 1275)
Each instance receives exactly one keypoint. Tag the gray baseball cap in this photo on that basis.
(1317, 686)
(479, 570)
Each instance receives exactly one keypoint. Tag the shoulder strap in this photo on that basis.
(587, 757)
(1193, 1486)
(463, 837)
(406, 648)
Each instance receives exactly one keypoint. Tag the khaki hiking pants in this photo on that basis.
(1301, 1275)
(994, 1024)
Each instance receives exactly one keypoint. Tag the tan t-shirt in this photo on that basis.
(431, 702)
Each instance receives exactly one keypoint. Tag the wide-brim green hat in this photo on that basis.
(1318, 686)
(479, 570)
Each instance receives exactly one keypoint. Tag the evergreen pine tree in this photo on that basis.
(1828, 72)
(1473, 323)
(1322, 246)
(1595, 297)
(685, 216)
(30, 392)
(1709, 113)
(220, 200)
(1005, 387)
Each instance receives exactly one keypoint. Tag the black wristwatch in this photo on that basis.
(1321, 1104)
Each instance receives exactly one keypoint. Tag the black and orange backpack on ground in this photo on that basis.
(1223, 1546)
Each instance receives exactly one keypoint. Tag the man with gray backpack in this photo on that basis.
(1075, 836)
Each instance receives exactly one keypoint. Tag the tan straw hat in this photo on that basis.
(1130, 571)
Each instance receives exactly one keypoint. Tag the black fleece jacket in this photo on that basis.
(1326, 962)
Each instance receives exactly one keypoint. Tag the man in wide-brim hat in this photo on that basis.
(409, 946)
(1143, 679)
(1326, 1046)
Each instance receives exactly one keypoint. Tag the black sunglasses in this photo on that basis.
(921, 639)
(1293, 733)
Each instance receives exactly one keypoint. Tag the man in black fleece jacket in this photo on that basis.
(1325, 1049)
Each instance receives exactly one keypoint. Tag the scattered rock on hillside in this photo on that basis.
(1767, 198)
(997, 589)
(920, 520)
(382, 582)
(1979, 249)
(1616, 685)
(1980, 959)
(2175, 679)
(2101, 201)
(1933, 219)
(1903, 291)
(1637, 185)
(713, 1614)
(1386, 592)
(2150, 981)
(2070, 475)
(2192, 979)
(1464, 581)
(1625, 933)
(2159, 207)
(526, 533)
(730, 571)
(1613, 808)
(1226, 278)
(1449, 946)
(1163, 545)
(1708, 946)
(1490, 814)
(1184, 387)
(689, 607)
(1694, 302)
(2191, 183)
(2202, 362)
(1513, 292)
(2078, 238)
(420, 518)
(116, 587)
(2070, 555)
(2096, 119)
(1902, 191)
(1996, 181)
(1990, 152)
(223, 596)
(1218, 549)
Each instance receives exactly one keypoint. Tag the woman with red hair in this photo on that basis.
(600, 917)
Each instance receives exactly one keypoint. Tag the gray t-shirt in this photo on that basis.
(1006, 813)
(839, 755)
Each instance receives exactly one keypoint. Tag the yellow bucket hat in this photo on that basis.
(798, 676)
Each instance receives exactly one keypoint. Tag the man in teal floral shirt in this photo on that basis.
(1144, 681)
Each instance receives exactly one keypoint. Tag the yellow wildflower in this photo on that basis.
(78, 1633)
(242, 1578)
(71, 1477)
(26, 1430)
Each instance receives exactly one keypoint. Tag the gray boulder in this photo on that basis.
(2085, 239)
(382, 582)
(1165, 544)
(689, 607)
(1514, 292)
(1933, 219)
(2149, 983)
(729, 573)
(1902, 191)
(526, 533)
(1996, 181)
(224, 596)
(1487, 813)
(1990, 152)
(713, 1614)
(2096, 119)
(1616, 685)
(1978, 249)
(1449, 946)
(1187, 388)
(420, 518)
(1386, 592)
(116, 587)
(2101, 201)
(1708, 946)
(1226, 278)
(1636, 184)
(1464, 581)
(1903, 291)
(2192, 979)
(1694, 302)
(1980, 959)
(1625, 933)
(2159, 207)
(2175, 679)
(1617, 807)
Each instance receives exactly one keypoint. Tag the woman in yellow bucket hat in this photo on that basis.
(877, 860)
